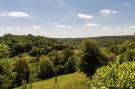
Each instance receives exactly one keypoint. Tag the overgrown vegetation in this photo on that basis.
(115, 76)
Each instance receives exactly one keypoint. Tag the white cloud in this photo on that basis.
(114, 31)
(20, 30)
(75, 31)
(63, 26)
(36, 27)
(91, 25)
(15, 14)
(107, 12)
(18, 14)
(84, 16)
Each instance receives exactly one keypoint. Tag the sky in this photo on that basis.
(67, 18)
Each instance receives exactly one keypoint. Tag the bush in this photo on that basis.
(115, 76)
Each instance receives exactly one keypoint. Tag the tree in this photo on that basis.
(70, 65)
(22, 71)
(67, 53)
(91, 59)
(46, 69)
(69, 62)
(55, 64)
(128, 55)
(6, 75)
(4, 51)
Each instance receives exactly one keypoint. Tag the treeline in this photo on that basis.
(28, 58)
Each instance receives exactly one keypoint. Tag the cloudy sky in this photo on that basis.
(67, 18)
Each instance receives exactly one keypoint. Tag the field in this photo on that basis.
(62, 80)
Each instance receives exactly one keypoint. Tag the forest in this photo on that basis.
(106, 62)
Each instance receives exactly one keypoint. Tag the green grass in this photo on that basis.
(62, 80)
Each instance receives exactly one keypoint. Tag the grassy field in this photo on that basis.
(62, 80)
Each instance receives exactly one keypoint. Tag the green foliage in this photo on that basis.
(127, 56)
(4, 51)
(130, 55)
(22, 71)
(69, 60)
(70, 65)
(127, 45)
(24, 84)
(6, 74)
(63, 60)
(114, 49)
(67, 53)
(63, 80)
(46, 69)
(73, 85)
(41, 56)
(27, 43)
(109, 55)
(91, 59)
(35, 51)
(115, 76)
(18, 48)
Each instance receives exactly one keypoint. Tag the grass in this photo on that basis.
(62, 80)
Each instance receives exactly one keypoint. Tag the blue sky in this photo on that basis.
(67, 18)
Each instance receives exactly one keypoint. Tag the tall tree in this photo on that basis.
(46, 69)
(91, 59)
(22, 71)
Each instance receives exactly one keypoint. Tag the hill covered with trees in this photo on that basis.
(107, 61)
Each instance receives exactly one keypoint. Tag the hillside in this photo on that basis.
(62, 80)
(32, 59)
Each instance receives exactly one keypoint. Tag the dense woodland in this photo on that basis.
(107, 61)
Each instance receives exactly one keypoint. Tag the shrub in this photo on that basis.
(115, 76)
